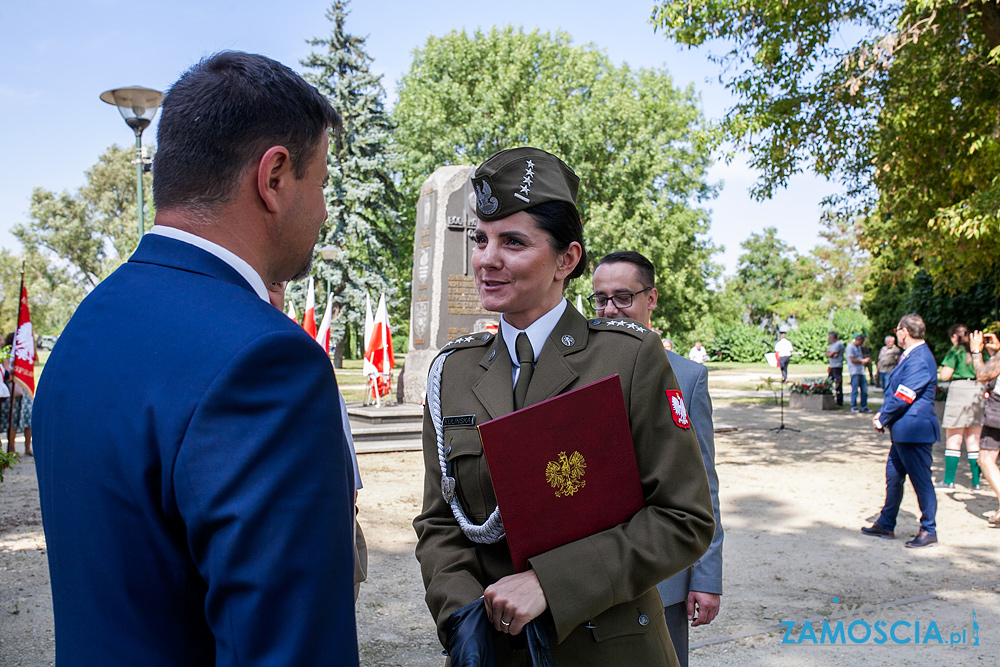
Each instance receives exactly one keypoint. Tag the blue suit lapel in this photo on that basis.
(164, 251)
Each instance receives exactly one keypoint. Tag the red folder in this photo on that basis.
(563, 469)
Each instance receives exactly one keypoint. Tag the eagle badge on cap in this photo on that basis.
(484, 198)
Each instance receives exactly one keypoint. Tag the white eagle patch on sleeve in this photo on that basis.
(677, 409)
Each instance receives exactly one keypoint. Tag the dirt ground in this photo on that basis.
(792, 504)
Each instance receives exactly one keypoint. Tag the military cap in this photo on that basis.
(519, 178)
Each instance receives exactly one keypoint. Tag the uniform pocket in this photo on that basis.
(466, 463)
(462, 441)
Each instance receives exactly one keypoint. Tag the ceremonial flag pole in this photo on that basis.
(22, 356)
(367, 368)
(323, 335)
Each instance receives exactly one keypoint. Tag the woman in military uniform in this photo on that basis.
(597, 595)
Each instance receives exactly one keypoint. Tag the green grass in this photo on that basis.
(764, 369)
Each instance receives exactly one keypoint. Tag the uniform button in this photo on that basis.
(447, 450)
(643, 619)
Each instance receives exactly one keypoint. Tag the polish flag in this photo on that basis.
(323, 336)
(309, 319)
(379, 350)
(292, 314)
(367, 368)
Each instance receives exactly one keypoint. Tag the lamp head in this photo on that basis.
(137, 105)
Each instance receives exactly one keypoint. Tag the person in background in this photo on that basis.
(856, 362)
(783, 348)
(908, 413)
(20, 402)
(668, 345)
(988, 371)
(866, 352)
(963, 409)
(888, 357)
(835, 368)
(693, 596)
(698, 353)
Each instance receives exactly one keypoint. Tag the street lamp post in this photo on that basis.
(137, 106)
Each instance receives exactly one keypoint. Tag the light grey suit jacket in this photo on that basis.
(706, 574)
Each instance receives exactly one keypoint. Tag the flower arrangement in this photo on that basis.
(811, 386)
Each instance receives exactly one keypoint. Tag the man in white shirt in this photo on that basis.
(698, 353)
(783, 348)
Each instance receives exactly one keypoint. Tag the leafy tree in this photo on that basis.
(916, 292)
(896, 100)
(766, 275)
(91, 232)
(364, 223)
(629, 135)
(52, 294)
(842, 265)
(809, 340)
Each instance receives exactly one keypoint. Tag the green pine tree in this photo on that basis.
(364, 223)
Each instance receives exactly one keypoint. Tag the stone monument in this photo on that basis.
(445, 302)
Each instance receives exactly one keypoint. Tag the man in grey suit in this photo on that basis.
(627, 279)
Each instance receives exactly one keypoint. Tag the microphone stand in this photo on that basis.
(781, 425)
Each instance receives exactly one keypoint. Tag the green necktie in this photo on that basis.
(526, 357)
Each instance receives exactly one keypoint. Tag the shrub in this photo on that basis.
(738, 342)
(809, 341)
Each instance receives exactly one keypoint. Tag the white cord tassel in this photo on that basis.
(492, 530)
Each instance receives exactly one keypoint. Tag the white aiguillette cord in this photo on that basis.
(492, 530)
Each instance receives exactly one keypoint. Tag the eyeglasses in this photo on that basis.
(621, 299)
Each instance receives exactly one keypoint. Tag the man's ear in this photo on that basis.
(273, 172)
(652, 295)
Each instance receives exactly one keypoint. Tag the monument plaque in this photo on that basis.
(445, 302)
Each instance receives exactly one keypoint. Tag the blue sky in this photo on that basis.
(59, 55)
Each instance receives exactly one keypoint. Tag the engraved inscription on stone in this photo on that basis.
(463, 298)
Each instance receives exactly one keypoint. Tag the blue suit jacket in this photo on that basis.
(706, 574)
(196, 491)
(908, 408)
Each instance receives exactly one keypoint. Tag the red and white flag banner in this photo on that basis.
(378, 352)
(23, 349)
(309, 319)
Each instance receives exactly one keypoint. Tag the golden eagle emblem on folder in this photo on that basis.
(566, 473)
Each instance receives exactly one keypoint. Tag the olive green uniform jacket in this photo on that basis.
(601, 590)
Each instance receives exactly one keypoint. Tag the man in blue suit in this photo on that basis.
(908, 413)
(196, 488)
(627, 280)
